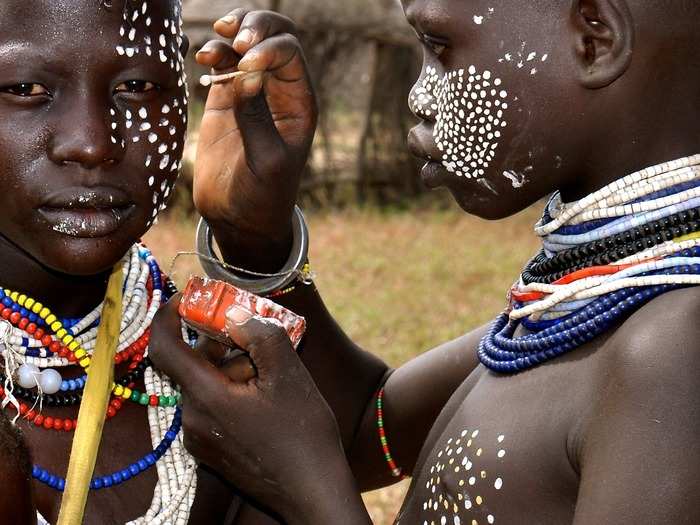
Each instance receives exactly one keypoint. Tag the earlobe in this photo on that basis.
(604, 32)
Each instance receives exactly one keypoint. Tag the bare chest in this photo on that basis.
(502, 456)
(126, 439)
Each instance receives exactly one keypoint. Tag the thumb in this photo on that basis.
(266, 342)
(264, 146)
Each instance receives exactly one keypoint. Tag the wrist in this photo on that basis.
(255, 251)
(257, 281)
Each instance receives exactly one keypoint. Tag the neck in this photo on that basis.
(639, 137)
(598, 173)
(66, 295)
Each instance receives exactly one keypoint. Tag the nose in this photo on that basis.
(85, 133)
(423, 98)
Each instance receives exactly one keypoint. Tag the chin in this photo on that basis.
(83, 257)
(485, 200)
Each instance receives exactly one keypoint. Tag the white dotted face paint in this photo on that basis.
(480, 19)
(524, 59)
(157, 136)
(470, 113)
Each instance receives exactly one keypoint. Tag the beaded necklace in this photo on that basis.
(31, 335)
(603, 258)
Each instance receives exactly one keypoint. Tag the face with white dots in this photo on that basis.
(92, 125)
(148, 32)
(485, 99)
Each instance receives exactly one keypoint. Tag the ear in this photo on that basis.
(604, 40)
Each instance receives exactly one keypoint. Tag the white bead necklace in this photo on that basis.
(618, 200)
(175, 490)
(620, 189)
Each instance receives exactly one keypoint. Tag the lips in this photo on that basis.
(433, 175)
(421, 143)
(86, 212)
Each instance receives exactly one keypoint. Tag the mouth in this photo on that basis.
(421, 146)
(433, 174)
(86, 212)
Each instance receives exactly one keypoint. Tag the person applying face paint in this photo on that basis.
(578, 404)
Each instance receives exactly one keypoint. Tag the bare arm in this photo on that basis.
(254, 142)
(415, 394)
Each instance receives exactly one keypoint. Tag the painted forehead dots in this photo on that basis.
(469, 108)
(458, 487)
(155, 126)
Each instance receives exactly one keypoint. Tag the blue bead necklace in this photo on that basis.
(120, 476)
(560, 317)
(134, 469)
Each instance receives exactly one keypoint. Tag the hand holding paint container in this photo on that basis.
(205, 302)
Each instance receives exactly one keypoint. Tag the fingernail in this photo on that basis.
(251, 83)
(245, 36)
(228, 19)
(238, 315)
(206, 48)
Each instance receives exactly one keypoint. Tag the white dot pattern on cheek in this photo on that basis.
(470, 117)
(468, 109)
(147, 123)
(423, 100)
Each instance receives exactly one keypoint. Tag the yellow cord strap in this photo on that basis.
(93, 408)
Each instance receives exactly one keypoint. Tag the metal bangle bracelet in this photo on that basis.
(258, 283)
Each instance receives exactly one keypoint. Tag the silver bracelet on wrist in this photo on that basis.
(258, 283)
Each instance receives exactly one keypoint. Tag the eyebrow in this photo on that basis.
(13, 46)
(18, 50)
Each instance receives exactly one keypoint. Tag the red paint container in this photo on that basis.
(205, 302)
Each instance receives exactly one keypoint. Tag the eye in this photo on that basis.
(436, 45)
(136, 86)
(26, 89)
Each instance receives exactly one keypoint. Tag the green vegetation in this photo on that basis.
(398, 282)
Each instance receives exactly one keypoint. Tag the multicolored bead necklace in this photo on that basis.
(32, 336)
(70, 348)
(603, 258)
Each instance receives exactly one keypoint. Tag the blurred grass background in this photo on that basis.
(398, 281)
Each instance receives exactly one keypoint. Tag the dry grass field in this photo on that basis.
(398, 282)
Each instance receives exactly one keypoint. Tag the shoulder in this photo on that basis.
(649, 369)
(636, 445)
(660, 343)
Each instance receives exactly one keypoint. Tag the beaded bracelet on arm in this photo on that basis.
(393, 467)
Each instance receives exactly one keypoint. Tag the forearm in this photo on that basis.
(414, 397)
(347, 376)
(332, 497)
